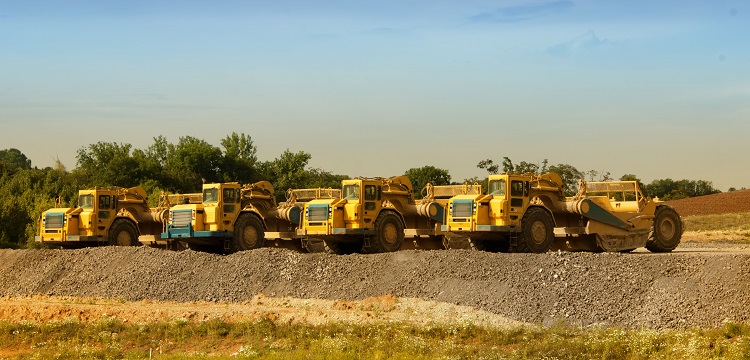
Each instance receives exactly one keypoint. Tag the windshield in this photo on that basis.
(497, 187)
(351, 192)
(86, 201)
(211, 195)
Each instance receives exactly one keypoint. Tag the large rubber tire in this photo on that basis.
(666, 231)
(341, 248)
(500, 245)
(537, 232)
(123, 232)
(389, 234)
(248, 234)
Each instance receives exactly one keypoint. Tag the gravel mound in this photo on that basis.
(674, 290)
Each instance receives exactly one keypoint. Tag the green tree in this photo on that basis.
(287, 172)
(525, 167)
(13, 159)
(570, 176)
(595, 175)
(668, 189)
(240, 161)
(152, 161)
(108, 164)
(508, 167)
(488, 165)
(632, 177)
(419, 177)
(23, 197)
(317, 178)
(191, 163)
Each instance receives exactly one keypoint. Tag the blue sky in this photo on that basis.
(373, 88)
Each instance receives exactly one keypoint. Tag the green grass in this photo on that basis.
(722, 222)
(266, 339)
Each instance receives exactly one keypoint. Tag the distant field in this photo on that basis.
(718, 217)
(722, 203)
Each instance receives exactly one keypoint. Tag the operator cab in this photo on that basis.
(97, 210)
(363, 201)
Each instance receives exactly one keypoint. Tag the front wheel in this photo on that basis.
(123, 233)
(537, 232)
(666, 231)
(248, 234)
(389, 234)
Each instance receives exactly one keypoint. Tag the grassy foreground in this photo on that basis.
(719, 222)
(722, 227)
(110, 338)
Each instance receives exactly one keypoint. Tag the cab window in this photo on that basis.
(516, 188)
(211, 195)
(371, 192)
(104, 202)
(351, 192)
(229, 195)
(86, 201)
(497, 187)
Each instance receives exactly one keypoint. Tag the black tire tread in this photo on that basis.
(377, 246)
(122, 224)
(236, 244)
(655, 243)
(523, 246)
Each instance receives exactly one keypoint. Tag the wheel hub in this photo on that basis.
(123, 238)
(667, 228)
(538, 232)
(390, 234)
(250, 236)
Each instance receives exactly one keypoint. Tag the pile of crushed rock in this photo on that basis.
(677, 290)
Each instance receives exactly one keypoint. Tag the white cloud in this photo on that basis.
(584, 42)
(522, 12)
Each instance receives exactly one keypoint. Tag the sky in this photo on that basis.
(659, 89)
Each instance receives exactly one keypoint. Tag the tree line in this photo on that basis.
(182, 167)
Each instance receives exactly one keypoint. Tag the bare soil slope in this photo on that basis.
(687, 288)
(722, 203)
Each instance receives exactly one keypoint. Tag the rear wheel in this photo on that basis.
(537, 232)
(666, 230)
(341, 248)
(500, 245)
(123, 233)
(389, 234)
(248, 234)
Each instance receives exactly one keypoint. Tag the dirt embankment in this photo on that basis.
(687, 288)
(722, 203)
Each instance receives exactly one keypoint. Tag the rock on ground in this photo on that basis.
(676, 290)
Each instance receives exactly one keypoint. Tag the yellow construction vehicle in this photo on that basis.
(104, 216)
(230, 218)
(372, 215)
(529, 213)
